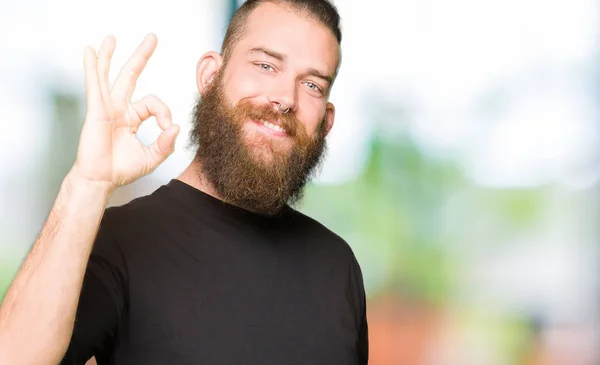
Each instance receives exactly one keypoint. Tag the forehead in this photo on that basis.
(304, 40)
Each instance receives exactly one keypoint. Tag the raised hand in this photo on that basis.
(109, 150)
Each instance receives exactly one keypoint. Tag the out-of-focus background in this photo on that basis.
(463, 169)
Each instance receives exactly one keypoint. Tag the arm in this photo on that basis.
(103, 298)
(37, 315)
(41, 303)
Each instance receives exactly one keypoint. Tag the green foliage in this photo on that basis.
(8, 269)
(409, 216)
(392, 214)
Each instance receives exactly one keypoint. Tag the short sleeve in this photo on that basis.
(362, 346)
(102, 300)
(363, 340)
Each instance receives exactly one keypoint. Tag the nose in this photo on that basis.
(282, 111)
(283, 98)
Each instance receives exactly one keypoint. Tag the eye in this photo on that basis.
(313, 86)
(265, 67)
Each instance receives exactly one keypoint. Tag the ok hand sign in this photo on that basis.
(109, 151)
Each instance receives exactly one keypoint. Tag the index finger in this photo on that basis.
(126, 81)
(92, 86)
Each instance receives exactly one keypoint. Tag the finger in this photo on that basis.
(92, 88)
(151, 105)
(164, 145)
(125, 83)
(104, 56)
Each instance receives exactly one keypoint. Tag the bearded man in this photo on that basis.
(215, 267)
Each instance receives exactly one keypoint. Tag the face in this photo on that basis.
(255, 156)
(284, 58)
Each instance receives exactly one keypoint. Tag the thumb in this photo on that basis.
(164, 145)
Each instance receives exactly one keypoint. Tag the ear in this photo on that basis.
(208, 66)
(329, 117)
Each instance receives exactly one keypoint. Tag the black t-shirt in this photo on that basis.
(179, 277)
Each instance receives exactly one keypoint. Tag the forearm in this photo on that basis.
(38, 312)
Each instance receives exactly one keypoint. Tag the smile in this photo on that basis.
(271, 128)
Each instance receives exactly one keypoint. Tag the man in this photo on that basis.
(215, 267)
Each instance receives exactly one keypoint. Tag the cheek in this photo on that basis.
(311, 113)
(243, 85)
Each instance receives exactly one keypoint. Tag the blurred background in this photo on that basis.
(463, 169)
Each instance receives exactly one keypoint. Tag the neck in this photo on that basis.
(194, 177)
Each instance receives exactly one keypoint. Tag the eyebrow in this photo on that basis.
(278, 56)
(319, 74)
(282, 58)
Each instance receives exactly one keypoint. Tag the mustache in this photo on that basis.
(289, 122)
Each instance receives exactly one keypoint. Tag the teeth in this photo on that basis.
(272, 126)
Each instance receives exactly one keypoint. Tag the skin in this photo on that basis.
(110, 155)
(274, 64)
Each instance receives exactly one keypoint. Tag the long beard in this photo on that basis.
(254, 172)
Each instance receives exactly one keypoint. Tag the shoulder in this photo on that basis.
(336, 251)
(303, 221)
(322, 236)
(127, 227)
(128, 230)
(139, 211)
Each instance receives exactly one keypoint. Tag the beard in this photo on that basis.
(247, 168)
